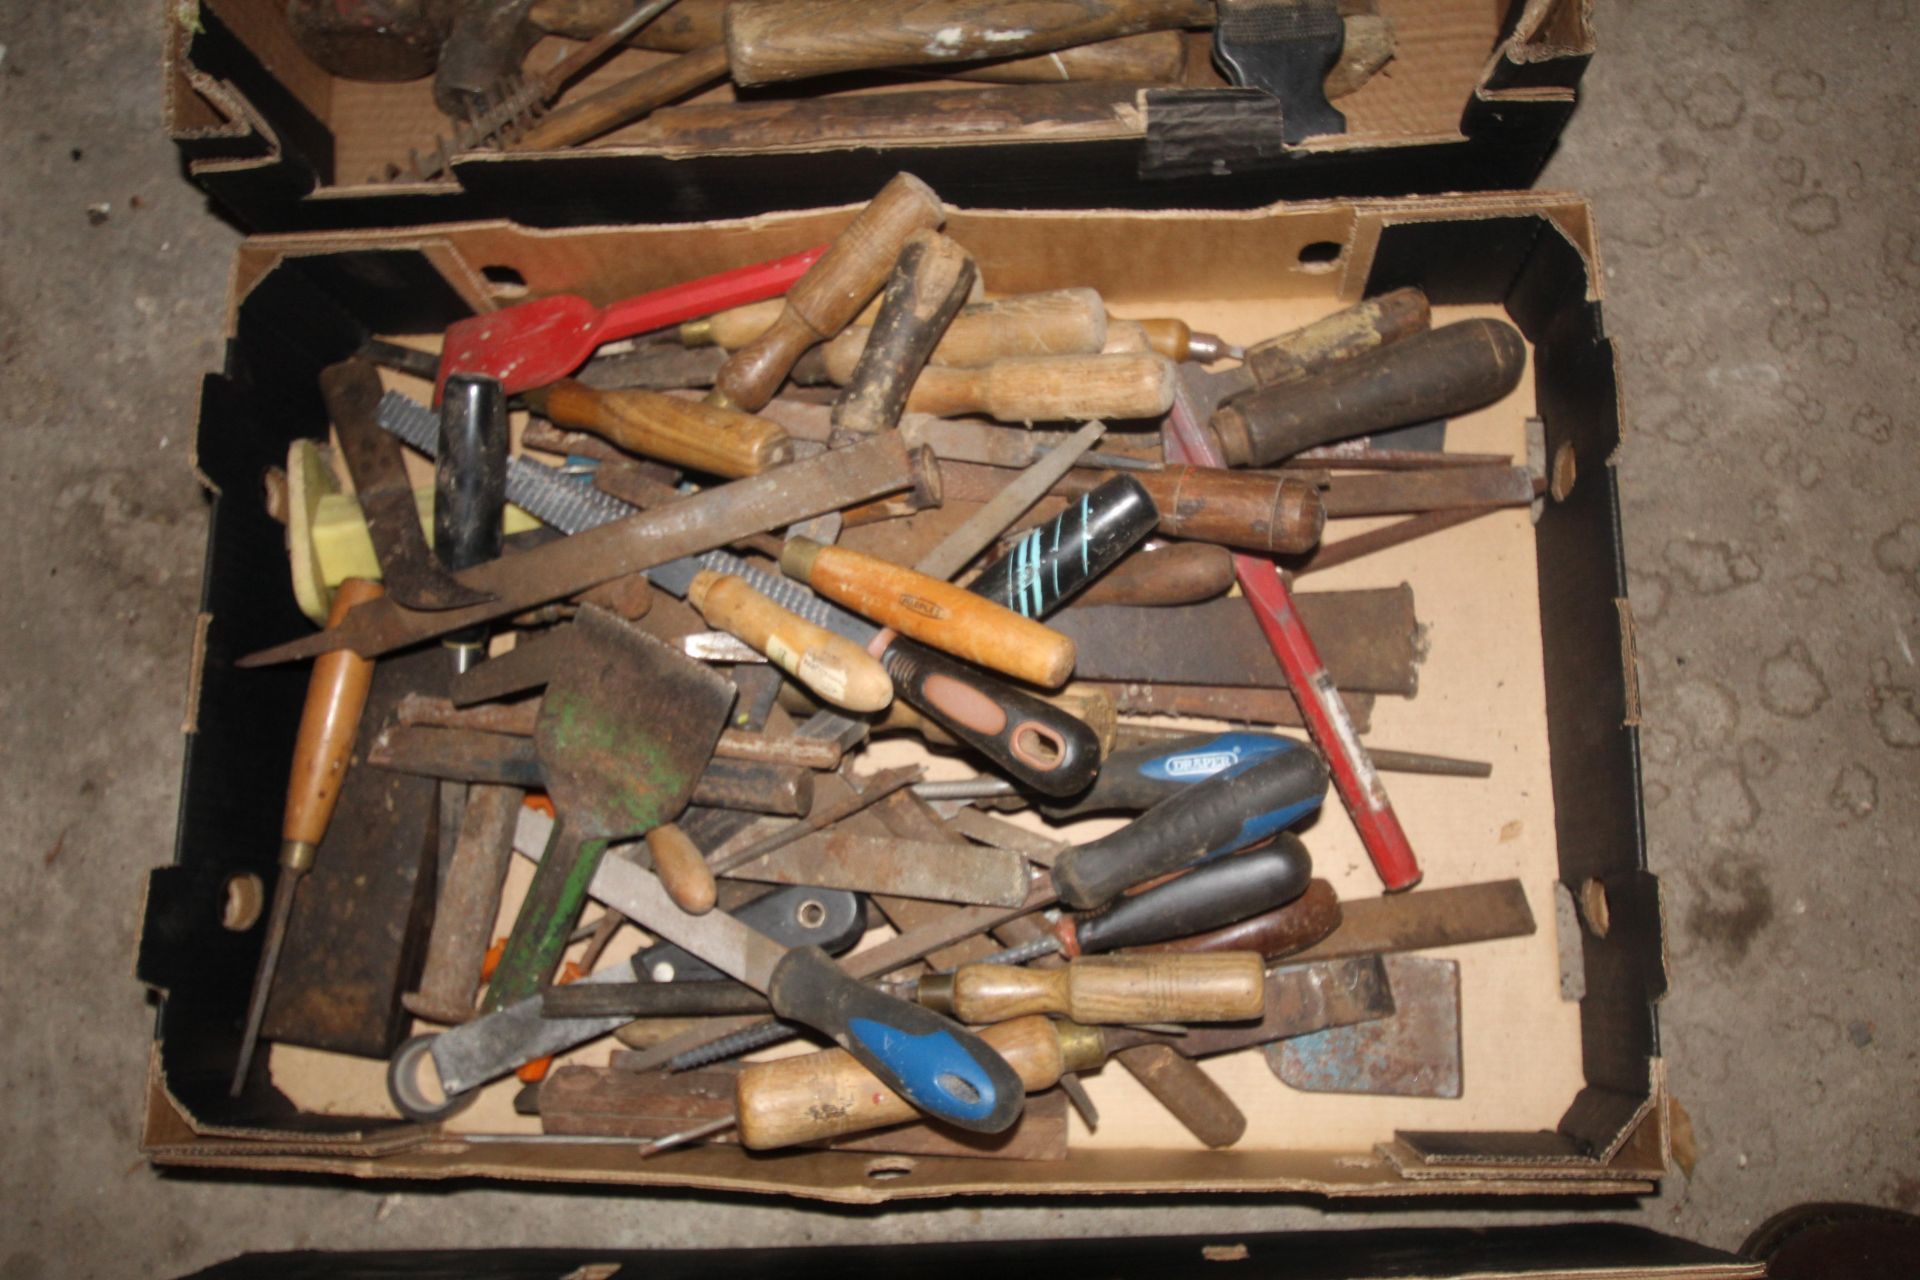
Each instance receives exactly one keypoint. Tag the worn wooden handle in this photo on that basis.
(934, 612)
(1063, 322)
(929, 284)
(1109, 989)
(683, 872)
(834, 667)
(1050, 388)
(685, 433)
(1187, 1092)
(626, 101)
(775, 40)
(737, 326)
(1235, 509)
(1126, 338)
(1331, 340)
(1175, 574)
(336, 694)
(819, 1095)
(832, 292)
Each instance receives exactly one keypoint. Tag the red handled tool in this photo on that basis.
(534, 343)
(1187, 440)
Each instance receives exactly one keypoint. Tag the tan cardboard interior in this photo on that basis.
(1443, 51)
(1481, 695)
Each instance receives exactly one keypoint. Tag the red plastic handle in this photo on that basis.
(703, 297)
(1320, 706)
(534, 343)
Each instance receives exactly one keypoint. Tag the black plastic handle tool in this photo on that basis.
(1237, 807)
(797, 915)
(1211, 896)
(1138, 778)
(1052, 562)
(1044, 747)
(470, 489)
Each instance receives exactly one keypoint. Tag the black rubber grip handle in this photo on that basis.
(1231, 810)
(1038, 745)
(470, 479)
(797, 916)
(930, 1060)
(1219, 893)
(1055, 560)
(1138, 778)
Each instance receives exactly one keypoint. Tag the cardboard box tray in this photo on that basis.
(1474, 99)
(1530, 666)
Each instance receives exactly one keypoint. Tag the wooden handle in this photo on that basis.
(1050, 388)
(1350, 332)
(1064, 322)
(1110, 989)
(1126, 338)
(625, 101)
(775, 40)
(934, 612)
(737, 326)
(1235, 509)
(683, 872)
(1187, 1092)
(1168, 336)
(832, 292)
(1176, 574)
(834, 667)
(336, 694)
(685, 433)
(928, 286)
(819, 1095)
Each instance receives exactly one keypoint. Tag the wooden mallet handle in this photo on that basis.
(832, 292)
(1049, 389)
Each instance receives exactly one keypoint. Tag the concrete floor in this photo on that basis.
(1755, 168)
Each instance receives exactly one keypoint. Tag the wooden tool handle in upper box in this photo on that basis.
(774, 40)
(336, 694)
(685, 433)
(683, 871)
(1227, 987)
(1049, 389)
(934, 612)
(832, 292)
(819, 1095)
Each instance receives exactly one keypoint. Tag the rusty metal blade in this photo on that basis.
(414, 577)
(626, 728)
(701, 522)
(905, 868)
(1415, 1053)
(1427, 918)
(1406, 492)
(1369, 639)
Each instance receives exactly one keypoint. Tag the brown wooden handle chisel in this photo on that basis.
(686, 433)
(832, 291)
(933, 612)
(929, 285)
(1223, 987)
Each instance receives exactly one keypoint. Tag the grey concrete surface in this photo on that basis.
(1755, 168)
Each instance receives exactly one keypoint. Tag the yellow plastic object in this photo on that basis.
(327, 539)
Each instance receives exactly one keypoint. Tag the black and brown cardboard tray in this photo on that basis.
(1529, 665)
(1474, 99)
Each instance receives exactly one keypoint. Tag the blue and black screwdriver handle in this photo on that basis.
(1230, 792)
